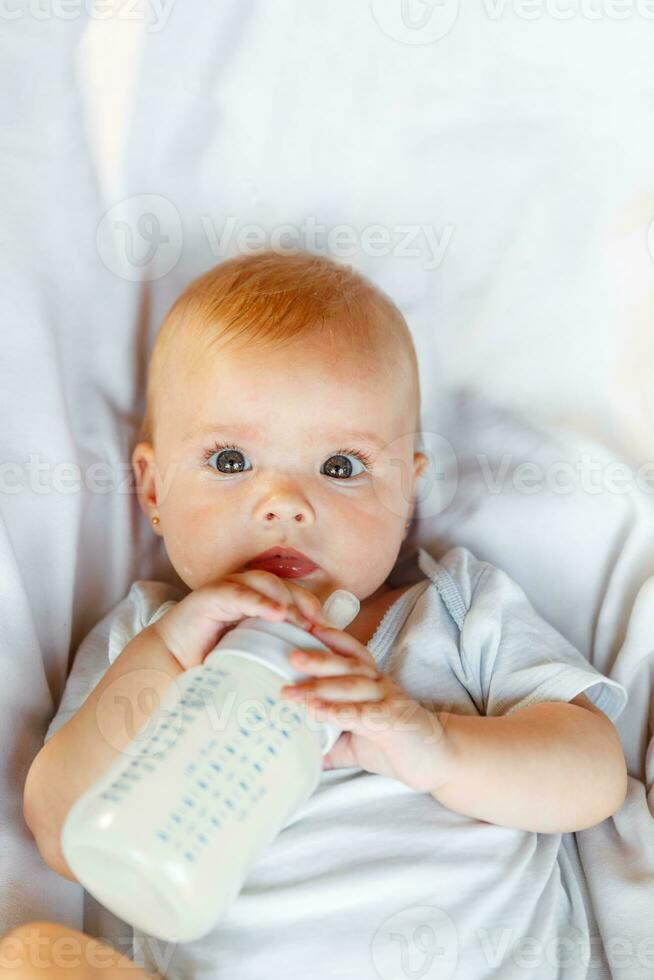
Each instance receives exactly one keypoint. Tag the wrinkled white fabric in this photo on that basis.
(515, 151)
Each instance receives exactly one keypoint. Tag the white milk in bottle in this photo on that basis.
(166, 837)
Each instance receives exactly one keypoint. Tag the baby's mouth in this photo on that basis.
(284, 562)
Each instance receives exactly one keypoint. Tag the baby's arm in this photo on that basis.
(86, 746)
(550, 767)
(119, 706)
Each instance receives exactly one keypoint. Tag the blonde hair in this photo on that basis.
(269, 300)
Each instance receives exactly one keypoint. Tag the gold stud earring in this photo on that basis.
(155, 519)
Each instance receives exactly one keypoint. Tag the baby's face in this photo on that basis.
(296, 420)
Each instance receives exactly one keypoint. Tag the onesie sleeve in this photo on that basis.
(144, 603)
(516, 658)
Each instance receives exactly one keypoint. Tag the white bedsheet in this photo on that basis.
(514, 149)
(68, 548)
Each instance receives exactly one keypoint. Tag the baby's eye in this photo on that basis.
(339, 466)
(229, 459)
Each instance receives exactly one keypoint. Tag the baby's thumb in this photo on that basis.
(340, 756)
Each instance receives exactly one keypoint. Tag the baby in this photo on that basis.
(278, 461)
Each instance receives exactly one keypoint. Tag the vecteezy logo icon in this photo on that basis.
(420, 942)
(436, 487)
(140, 238)
(138, 724)
(415, 21)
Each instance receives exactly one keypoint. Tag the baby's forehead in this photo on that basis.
(301, 364)
(312, 375)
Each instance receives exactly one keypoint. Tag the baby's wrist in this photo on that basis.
(449, 764)
(443, 749)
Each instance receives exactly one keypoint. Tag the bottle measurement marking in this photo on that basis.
(215, 762)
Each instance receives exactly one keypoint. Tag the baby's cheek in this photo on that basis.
(193, 549)
(370, 558)
(392, 489)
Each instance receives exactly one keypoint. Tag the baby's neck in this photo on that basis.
(363, 627)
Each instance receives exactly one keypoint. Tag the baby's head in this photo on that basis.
(308, 373)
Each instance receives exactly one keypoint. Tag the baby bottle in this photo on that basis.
(166, 837)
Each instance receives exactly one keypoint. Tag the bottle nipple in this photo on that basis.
(340, 608)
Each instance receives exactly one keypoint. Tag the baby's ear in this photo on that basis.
(143, 467)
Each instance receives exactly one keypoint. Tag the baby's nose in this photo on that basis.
(276, 516)
(293, 510)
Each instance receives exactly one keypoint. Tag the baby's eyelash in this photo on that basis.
(208, 453)
(359, 454)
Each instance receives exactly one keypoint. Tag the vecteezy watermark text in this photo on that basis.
(141, 238)
(419, 22)
(435, 490)
(154, 13)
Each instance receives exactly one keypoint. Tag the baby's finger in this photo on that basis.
(352, 687)
(322, 663)
(344, 643)
(308, 603)
(283, 590)
(242, 600)
(258, 581)
(365, 718)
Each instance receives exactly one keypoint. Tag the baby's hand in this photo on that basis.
(193, 626)
(384, 730)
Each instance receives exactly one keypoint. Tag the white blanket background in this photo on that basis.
(491, 171)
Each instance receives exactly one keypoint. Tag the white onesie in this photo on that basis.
(371, 879)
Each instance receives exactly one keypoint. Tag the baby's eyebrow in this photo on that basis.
(251, 432)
